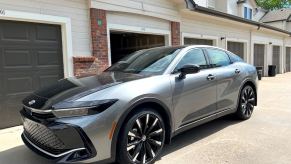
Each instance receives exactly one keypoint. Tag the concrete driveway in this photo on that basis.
(265, 138)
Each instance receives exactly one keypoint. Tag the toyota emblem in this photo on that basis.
(31, 102)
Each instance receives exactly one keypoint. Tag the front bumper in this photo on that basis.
(62, 142)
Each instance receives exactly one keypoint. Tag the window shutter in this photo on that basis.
(245, 12)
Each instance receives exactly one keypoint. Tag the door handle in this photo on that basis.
(210, 77)
(237, 71)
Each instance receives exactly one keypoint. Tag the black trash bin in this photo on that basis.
(260, 72)
(272, 70)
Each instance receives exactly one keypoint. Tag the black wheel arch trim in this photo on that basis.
(128, 111)
(241, 87)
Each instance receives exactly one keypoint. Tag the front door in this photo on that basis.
(194, 96)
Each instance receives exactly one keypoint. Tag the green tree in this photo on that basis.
(274, 4)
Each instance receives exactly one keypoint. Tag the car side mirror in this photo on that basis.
(188, 69)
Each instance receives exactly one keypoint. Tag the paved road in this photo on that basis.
(264, 139)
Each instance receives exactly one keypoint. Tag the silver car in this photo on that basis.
(131, 110)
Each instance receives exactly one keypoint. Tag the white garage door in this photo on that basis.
(288, 57)
(276, 58)
(259, 56)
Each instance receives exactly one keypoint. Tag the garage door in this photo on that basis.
(31, 57)
(124, 43)
(195, 41)
(236, 48)
(259, 56)
(276, 58)
(288, 57)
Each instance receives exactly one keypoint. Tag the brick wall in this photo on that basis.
(85, 66)
(99, 37)
(175, 33)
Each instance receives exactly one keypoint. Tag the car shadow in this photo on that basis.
(197, 133)
(21, 154)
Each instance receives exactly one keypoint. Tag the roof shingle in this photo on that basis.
(277, 15)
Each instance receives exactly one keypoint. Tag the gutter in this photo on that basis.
(191, 5)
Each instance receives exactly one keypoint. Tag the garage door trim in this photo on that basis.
(48, 19)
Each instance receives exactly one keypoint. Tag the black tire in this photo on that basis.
(146, 136)
(246, 104)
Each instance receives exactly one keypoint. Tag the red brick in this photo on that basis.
(175, 33)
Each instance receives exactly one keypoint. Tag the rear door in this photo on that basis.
(194, 96)
(228, 76)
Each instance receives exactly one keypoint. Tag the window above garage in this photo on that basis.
(248, 13)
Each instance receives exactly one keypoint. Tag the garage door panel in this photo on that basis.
(10, 113)
(49, 58)
(47, 33)
(15, 31)
(16, 58)
(18, 85)
(1, 86)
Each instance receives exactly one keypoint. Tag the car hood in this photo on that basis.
(72, 89)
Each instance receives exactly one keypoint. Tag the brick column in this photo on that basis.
(175, 33)
(99, 37)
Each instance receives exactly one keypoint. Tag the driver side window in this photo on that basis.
(194, 56)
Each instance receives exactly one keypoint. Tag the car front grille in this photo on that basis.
(43, 137)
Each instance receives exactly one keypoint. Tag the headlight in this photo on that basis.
(72, 109)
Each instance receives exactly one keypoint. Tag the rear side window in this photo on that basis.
(194, 56)
(234, 58)
(218, 58)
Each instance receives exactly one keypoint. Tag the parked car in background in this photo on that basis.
(130, 111)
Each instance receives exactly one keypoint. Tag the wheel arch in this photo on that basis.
(252, 84)
(153, 103)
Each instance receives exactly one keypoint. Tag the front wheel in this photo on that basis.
(142, 138)
(246, 104)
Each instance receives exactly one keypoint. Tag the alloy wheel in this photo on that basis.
(247, 101)
(145, 138)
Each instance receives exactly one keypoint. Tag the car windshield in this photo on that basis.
(147, 62)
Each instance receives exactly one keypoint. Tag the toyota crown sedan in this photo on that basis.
(131, 110)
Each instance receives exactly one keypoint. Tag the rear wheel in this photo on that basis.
(246, 105)
(142, 138)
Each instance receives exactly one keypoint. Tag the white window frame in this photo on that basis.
(65, 22)
(135, 29)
